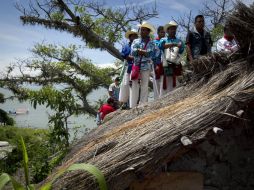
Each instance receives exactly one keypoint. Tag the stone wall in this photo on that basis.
(226, 160)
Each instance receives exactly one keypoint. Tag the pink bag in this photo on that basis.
(135, 72)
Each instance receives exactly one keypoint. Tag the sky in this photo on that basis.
(17, 39)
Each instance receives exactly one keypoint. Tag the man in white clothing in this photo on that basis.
(142, 50)
(128, 61)
(114, 89)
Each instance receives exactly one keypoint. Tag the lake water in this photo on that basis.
(38, 118)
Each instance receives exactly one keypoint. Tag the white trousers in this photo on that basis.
(124, 88)
(156, 89)
(143, 86)
(169, 84)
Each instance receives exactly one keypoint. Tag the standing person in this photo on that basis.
(157, 62)
(105, 109)
(172, 47)
(142, 50)
(227, 43)
(198, 40)
(114, 89)
(124, 87)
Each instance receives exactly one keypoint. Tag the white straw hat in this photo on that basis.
(171, 23)
(129, 32)
(147, 25)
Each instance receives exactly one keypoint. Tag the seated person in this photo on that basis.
(105, 109)
(227, 43)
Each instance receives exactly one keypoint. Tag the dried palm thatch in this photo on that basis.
(137, 142)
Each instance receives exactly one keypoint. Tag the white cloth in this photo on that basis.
(158, 85)
(125, 88)
(169, 82)
(226, 46)
(134, 89)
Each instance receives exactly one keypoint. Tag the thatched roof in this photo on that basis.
(136, 143)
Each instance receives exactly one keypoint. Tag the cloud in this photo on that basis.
(174, 5)
(131, 4)
(4, 37)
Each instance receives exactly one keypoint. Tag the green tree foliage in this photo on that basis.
(4, 118)
(66, 80)
(217, 32)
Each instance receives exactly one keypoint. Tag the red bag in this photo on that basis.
(135, 72)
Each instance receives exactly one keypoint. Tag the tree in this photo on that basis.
(4, 118)
(215, 12)
(99, 26)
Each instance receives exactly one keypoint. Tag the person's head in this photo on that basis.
(110, 101)
(146, 29)
(117, 80)
(131, 34)
(161, 32)
(170, 28)
(199, 22)
(133, 37)
(227, 31)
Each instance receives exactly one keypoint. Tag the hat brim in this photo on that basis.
(128, 33)
(150, 27)
(169, 25)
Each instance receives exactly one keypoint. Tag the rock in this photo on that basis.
(217, 130)
(240, 113)
(4, 150)
(185, 141)
(4, 143)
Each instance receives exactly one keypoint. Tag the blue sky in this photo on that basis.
(16, 39)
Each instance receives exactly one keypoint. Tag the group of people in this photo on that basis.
(161, 58)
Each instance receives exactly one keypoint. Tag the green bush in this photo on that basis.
(4, 118)
(38, 151)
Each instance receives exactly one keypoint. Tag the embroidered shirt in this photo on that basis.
(169, 40)
(157, 52)
(145, 59)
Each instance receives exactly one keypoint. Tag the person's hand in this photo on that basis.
(157, 69)
(141, 52)
(179, 45)
(169, 45)
(129, 58)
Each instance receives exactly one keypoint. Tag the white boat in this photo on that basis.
(20, 111)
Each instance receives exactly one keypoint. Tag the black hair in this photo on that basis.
(160, 28)
(225, 29)
(198, 16)
(110, 100)
(117, 79)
